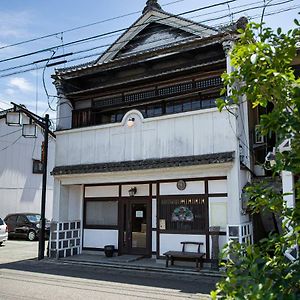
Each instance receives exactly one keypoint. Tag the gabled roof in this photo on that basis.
(151, 16)
(154, 30)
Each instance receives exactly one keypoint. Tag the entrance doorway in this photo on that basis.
(135, 229)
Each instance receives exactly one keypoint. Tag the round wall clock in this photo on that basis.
(181, 185)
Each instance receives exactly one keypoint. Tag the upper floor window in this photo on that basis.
(89, 117)
(152, 101)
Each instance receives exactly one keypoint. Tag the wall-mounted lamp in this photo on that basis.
(132, 191)
(130, 122)
(13, 118)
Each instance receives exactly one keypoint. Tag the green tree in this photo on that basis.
(262, 62)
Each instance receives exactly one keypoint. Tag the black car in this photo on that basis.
(25, 225)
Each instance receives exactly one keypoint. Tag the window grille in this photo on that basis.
(202, 84)
(174, 89)
(139, 96)
(184, 214)
(108, 101)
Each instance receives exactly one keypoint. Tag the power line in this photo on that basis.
(144, 35)
(18, 130)
(99, 53)
(14, 142)
(252, 8)
(111, 32)
(80, 27)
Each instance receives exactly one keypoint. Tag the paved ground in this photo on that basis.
(23, 277)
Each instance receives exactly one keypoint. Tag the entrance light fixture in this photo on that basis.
(130, 122)
(132, 191)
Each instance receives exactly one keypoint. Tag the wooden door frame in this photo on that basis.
(128, 201)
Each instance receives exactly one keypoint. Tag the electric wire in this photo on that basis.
(110, 32)
(44, 83)
(7, 134)
(14, 142)
(80, 27)
(99, 53)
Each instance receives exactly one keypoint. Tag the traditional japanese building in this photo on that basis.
(144, 159)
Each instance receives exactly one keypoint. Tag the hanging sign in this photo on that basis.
(139, 214)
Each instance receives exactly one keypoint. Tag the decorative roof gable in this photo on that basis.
(154, 29)
(152, 37)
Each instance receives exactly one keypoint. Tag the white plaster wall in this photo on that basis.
(98, 238)
(153, 241)
(64, 203)
(75, 203)
(154, 213)
(288, 188)
(190, 133)
(192, 187)
(218, 215)
(172, 241)
(234, 194)
(20, 189)
(217, 186)
(245, 177)
(102, 191)
(153, 189)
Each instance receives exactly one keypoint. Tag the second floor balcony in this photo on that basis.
(136, 138)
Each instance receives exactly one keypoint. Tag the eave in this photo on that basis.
(90, 69)
(155, 163)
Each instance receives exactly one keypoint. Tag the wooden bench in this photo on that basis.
(184, 255)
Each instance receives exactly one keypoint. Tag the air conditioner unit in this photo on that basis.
(259, 138)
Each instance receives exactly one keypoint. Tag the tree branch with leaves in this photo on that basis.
(262, 61)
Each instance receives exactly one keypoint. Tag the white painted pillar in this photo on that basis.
(64, 109)
(56, 200)
(288, 188)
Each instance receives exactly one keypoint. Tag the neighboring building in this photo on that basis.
(144, 159)
(21, 170)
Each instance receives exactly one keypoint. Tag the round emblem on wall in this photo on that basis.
(181, 185)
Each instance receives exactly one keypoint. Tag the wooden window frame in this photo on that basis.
(106, 199)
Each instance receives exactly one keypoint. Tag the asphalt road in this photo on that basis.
(23, 277)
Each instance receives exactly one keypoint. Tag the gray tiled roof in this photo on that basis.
(155, 163)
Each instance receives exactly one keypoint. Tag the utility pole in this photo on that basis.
(41, 254)
(44, 123)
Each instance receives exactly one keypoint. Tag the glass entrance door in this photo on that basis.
(135, 229)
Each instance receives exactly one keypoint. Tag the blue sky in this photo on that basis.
(23, 20)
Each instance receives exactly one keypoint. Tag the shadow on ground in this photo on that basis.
(183, 283)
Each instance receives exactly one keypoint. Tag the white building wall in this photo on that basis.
(172, 242)
(288, 188)
(98, 238)
(20, 189)
(190, 133)
(68, 202)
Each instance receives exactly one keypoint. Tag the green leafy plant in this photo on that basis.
(262, 61)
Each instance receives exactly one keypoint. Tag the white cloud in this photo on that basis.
(21, 84)
(10, 92)
(13, 24)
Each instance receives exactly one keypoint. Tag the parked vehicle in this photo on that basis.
(25, 225)
(3, 232)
